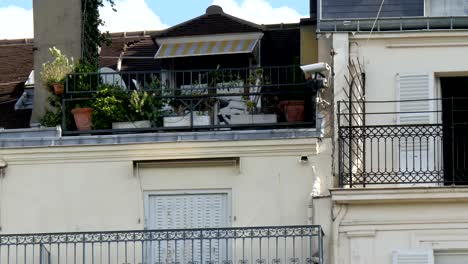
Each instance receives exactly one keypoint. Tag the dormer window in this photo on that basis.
(444, 8)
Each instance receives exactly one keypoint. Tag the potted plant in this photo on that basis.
(253, 117)
(83, 117)
(293, 110)
(109, 105)
(140, 112)
(54, 72)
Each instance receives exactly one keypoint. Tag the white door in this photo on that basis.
(185, 211)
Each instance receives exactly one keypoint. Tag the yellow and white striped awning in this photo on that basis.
(200, 47)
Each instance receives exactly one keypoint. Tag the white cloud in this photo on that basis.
(259, 11)
(16, 22)
(131, 15)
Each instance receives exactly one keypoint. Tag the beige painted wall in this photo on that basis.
(89, 188)
(309, 44)
(56, 23)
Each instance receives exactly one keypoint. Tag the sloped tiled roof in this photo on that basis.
(110, 54)
(214, 21)
(16, 63)
(139, 56)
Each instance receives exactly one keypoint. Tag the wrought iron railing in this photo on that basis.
(404, 142)
(256, 245)
(236, 98)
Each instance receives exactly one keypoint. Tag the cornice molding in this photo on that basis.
(399, 195)
(160, 151)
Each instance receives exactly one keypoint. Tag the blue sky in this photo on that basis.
(134, 15)
(174, 11)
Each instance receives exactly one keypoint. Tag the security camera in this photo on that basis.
(320, 67)
(319, 74)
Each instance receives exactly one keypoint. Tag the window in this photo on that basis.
(447, 7)
(451, 257)
(190, 209)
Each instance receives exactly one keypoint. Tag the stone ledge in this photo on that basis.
(401, 194)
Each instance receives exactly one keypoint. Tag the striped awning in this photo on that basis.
(207, 47)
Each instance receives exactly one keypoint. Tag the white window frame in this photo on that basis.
(227, 192)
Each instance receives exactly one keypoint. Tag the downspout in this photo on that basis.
(337, 218)
(310, 209)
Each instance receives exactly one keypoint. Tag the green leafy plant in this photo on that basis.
(251, 106)
(110, 105)
(92, 37)
(53, 115)
(84, 78)
(56, 70)
(145, 106)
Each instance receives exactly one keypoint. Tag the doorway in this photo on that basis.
(455, 129)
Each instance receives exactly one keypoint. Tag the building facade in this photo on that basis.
(399, 155)
(204, 185)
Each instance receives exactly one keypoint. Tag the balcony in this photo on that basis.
(286, 244)
(403, 143)
(190, 100)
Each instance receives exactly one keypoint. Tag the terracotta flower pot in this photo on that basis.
(58, 88)
(83, 118)
(293, 110)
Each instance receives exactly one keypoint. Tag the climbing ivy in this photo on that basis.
(92, 37)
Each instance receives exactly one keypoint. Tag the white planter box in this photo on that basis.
(135, 124)
(184, 121)
(254, 119)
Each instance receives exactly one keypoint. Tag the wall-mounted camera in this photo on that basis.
(319, 74)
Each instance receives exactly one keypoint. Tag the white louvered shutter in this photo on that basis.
(182, 212)
(416, 153)
(413, 257)
(415, 87)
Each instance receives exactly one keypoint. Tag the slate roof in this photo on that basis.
(214, 21)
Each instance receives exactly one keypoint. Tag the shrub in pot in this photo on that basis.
(83, 117)
(110, 104)
(54, 72)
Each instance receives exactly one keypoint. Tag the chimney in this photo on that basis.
(56, 23)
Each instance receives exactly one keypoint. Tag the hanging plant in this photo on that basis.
(92, 37)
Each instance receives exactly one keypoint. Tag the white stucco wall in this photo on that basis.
(88, 188)
(371, 232)
(384, 56)
(369, 224)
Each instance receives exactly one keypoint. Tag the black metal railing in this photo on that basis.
(256, 245)
(236, 98)
(404, 142)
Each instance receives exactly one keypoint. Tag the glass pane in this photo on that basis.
(448, 7)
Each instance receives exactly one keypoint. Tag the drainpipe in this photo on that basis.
(310, 209)
(3, 166)
(337, 218)
(316, 190)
